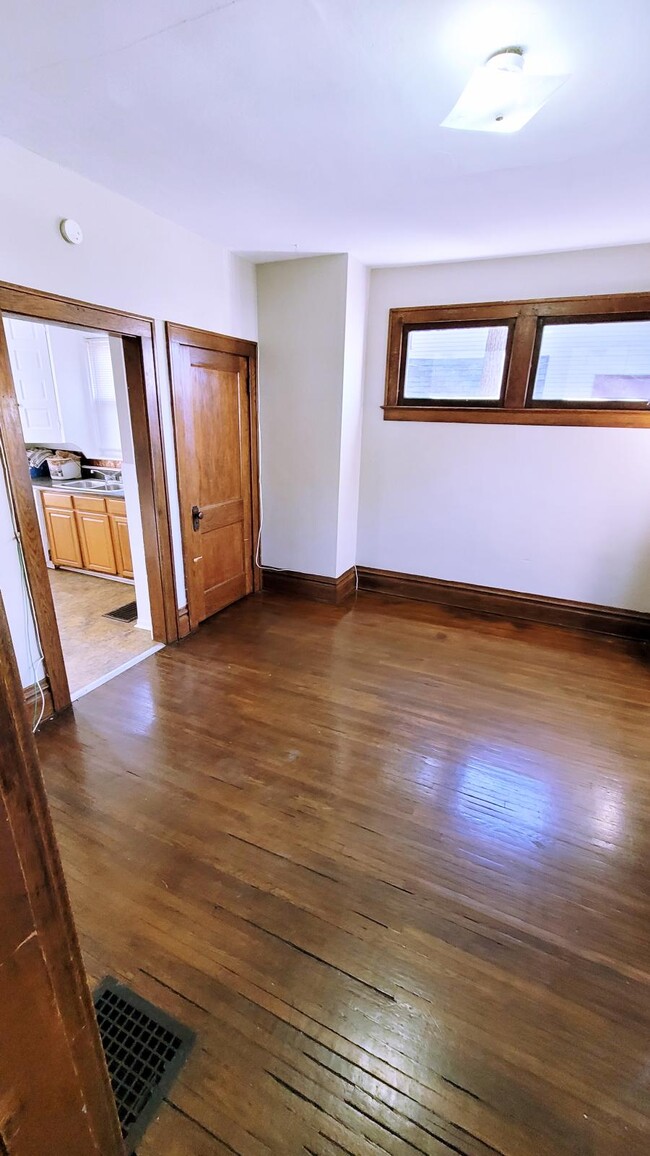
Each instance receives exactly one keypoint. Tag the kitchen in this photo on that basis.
(73, 403)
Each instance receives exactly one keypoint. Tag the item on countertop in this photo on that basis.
(37, 458)
(64, 464)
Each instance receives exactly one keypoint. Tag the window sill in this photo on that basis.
(460, 414)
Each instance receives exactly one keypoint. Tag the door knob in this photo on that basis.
(196, 517)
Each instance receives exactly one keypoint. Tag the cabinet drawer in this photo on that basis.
(116, 506)
(89, 505)
(56, 501)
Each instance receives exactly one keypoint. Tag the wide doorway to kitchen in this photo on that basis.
(72, 393)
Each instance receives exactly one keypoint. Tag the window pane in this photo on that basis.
(464, 364)
(594, 361)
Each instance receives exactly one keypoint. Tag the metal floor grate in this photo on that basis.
(144, 1048)
(126, 613)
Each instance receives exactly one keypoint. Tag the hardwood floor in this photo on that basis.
(93, 645)
(391, 863)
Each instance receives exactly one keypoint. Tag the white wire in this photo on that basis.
(28, 600)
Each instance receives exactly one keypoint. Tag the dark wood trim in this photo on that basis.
(146, 427)
(137, 335)
(316, 587)
(34, 702)
(204, 339)
(516, 406)
(508, 603)
(184, 627)
(532, 416)
(238, 347)
(23, 794)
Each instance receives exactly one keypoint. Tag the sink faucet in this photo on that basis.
(108, 473)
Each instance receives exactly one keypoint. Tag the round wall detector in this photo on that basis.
(71, 231)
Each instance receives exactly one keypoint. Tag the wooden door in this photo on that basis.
(65, 549)
(215, 426)
(96, 542)
(55, 1095)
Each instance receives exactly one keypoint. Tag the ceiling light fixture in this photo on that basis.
(502, 95)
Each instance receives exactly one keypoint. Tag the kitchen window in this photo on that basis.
(569, 361)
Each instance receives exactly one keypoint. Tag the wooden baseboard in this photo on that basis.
(316, 587)
(509, 604)
(183, 618)
(34, 702)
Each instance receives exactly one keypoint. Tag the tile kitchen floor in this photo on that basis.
(93, 645)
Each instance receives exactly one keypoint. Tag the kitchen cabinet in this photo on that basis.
(33, 374)
(121, 542)
(88, 533)
(62, 532)
(96, 541)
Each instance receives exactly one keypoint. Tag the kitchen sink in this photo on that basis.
(97, 485)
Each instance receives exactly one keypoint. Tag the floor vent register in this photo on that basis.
(145, 1050)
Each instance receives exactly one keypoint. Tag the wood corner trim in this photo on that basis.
(204, 339)
(630, 624)
(315, 587)
(33, 700)
(183, 617)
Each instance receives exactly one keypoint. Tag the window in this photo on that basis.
(456, 364)
(102, 387)
(571, 361)
(602, 361)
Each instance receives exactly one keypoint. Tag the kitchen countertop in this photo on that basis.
(70, 488)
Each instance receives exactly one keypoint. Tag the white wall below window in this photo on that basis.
(557, 511)
(131, 260)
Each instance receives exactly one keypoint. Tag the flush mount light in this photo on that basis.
(502, 95)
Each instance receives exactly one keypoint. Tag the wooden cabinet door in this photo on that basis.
(55, 1095)
(62, 535)
(122, 545)
(96, 542)
(31, 368)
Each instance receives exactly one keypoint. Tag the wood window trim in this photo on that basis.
(526, 318)
(137, 335)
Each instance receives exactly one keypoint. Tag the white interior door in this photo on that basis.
(31, 366)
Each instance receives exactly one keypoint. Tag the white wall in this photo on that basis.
(558, 511)
(302, 315)
(351, 414)
(130, 259)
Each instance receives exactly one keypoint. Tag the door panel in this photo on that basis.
(122, 545)
(96, 542)
(213, 438)
(31, 366)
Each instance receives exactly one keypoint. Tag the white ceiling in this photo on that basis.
(293, 126)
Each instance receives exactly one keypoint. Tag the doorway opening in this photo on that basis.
(73, 401)
(82, 451)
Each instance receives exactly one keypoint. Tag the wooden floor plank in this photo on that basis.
(391, 863)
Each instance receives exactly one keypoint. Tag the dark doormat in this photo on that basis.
(145, 1049)
(126, 613)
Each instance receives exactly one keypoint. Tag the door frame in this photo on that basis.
(137, 335)
(30, 830)
(180, 335)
